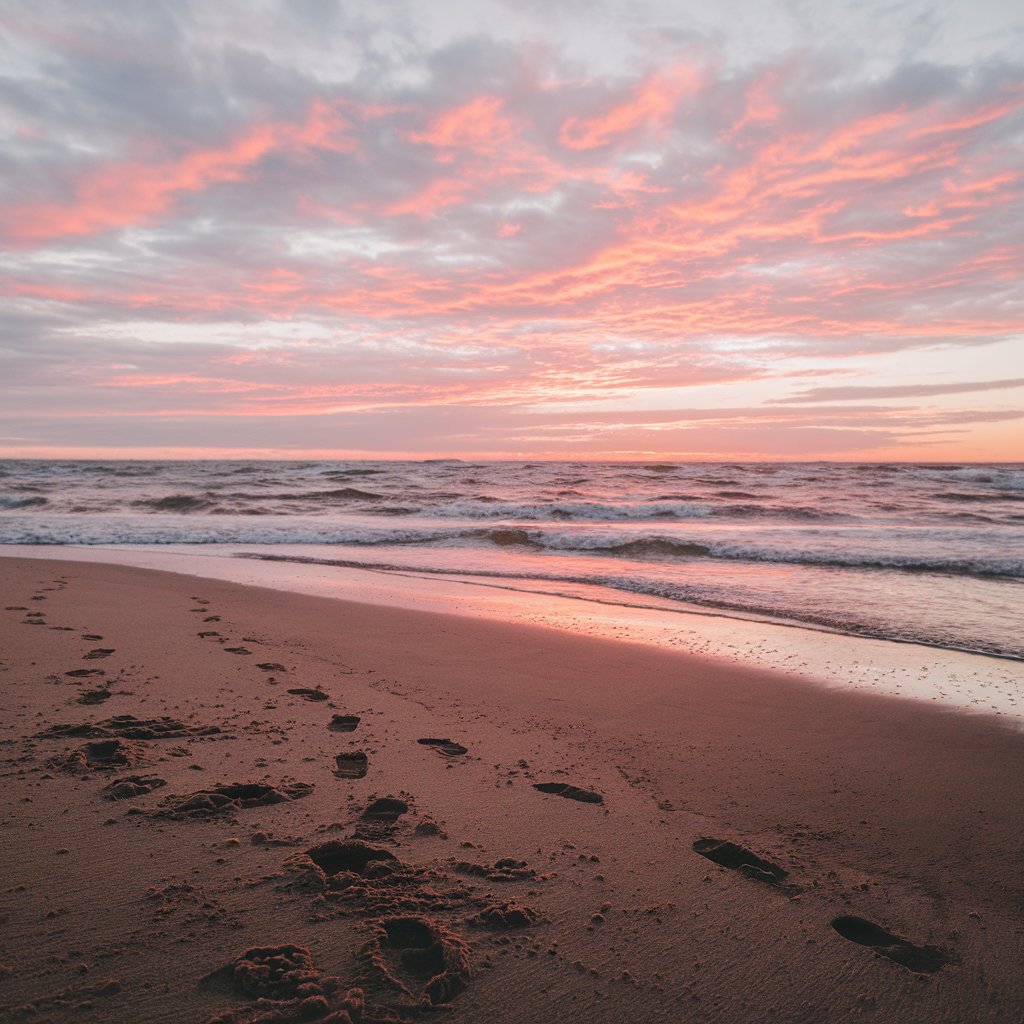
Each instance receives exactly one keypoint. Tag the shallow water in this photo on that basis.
(926, 553)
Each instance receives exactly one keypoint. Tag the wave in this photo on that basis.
(173, 503)
(670, 507)
(579, 542)
(989, 496)
(341, 474)
(13, 503)
(337, 494)
(452, 505)
(671, 547)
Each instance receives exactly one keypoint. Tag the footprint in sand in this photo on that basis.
(919, 959)
(351, 765)
(505, 870)
(132, 786)
(347, 857)
(207, 634)
(94, 696)
(130, 727)
(563, 789)
(102, 755)
(385, 809)
(236, 797)
(308, 694)
(738, 858)
(97, 653)
(212, 618)
(238, 650)
(285, 978)
(445, 746)
(94, 637)
(343, 723)
(420, 958)
(507, 914)
(270, 666)
(84, 673)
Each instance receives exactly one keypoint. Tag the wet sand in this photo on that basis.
(234, 803)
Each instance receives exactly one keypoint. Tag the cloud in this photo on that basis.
(133, 193)
(857, 393)
(453, 212)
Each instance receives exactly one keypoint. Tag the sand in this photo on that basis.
(232, 803)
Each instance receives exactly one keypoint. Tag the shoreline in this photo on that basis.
(898, 813)
(973, 682)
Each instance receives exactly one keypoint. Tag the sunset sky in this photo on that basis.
(512, 227)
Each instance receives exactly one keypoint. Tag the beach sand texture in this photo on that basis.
(228, 803)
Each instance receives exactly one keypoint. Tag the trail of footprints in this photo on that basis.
(415, 956)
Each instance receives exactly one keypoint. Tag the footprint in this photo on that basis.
(15, 608)
(308, 694)
(130, 727)
(238, 650)
(132, 786)
(343, 723)
(212, 618)
(94, 696)
(351, 765)
(207, 634)
(385, 809)
(94, 637)
(234, 798)
(271, 666)
(98, 652)
(285, 978)
(349, 857)
(102, 755)
(919, 959)
(446, 746)
(271, 973)
(82, 673)
(420, 958)
(505, 870)
(738, 858)
(507, 914)
(569, 792)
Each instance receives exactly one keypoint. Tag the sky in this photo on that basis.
(512, 228)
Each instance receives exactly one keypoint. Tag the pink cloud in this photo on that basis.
(124, 194)
(652, 103)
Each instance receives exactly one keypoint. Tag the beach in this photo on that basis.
(511, 513)
(269, 833)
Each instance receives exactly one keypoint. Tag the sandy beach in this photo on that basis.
(511, 512)
(231, 803)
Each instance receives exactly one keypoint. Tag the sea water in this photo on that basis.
(926, 553)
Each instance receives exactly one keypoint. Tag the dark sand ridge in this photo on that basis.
(888, 812)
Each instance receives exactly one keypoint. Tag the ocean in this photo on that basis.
(930, 554)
